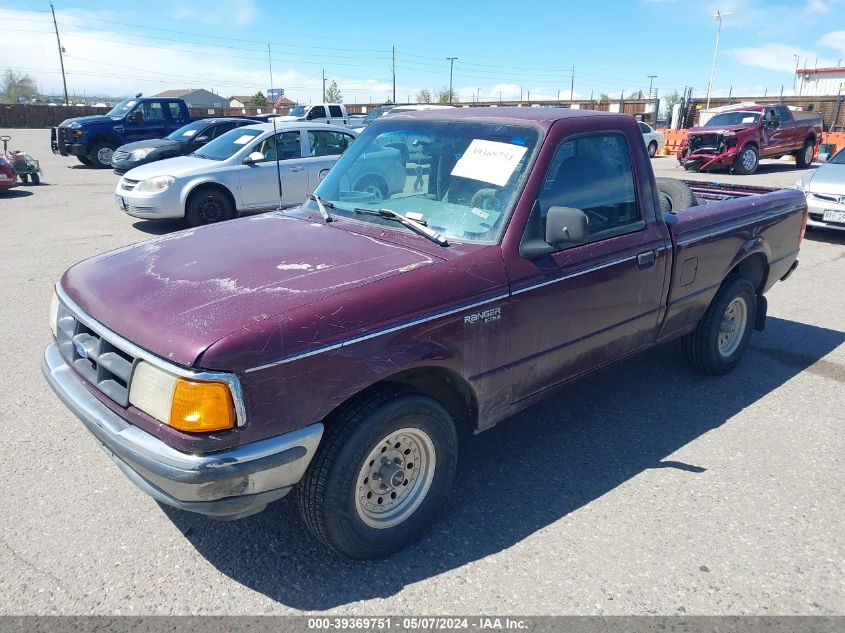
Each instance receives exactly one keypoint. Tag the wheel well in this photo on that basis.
(755, 269)
(214, 186)
(811, 137)
(440, 383)
(102, 138)
(380, 179)
(752, 144)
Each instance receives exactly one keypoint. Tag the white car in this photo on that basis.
(331, 113)
(653, 139)
(236, 173)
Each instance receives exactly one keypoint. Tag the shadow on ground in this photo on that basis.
(160, 227)
(830, 236)
(580, 443)
(14, 193)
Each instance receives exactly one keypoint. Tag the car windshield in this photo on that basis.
(297, 111)
(119, 111)
(734, 118)
(838, 158)
(372, 116)
(228, 144)
(459, 178)
(187, 131)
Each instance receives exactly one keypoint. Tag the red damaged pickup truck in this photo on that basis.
(739, 138)
(337, 349)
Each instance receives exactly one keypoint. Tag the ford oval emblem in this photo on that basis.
(80, 349)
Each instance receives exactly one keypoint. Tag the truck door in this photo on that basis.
(146, 120)
(793, 137)
(590, 303)
(775, 135)
(318, 114)
(259, 183)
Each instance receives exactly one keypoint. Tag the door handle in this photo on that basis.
(296, 168)
(644, 260)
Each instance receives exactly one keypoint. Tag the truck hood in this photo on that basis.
(157, 143)
(95, 119)
(719, 128)
(179, 166)
(177, 295)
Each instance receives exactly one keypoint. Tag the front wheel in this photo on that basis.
(747, 160)
(719, 342)
(652, 149)
(207, 206)
(101, 155)
(84, 160)
(382, 473)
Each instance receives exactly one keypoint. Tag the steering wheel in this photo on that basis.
(484, 199)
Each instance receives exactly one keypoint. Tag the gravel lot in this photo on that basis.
(677, 495)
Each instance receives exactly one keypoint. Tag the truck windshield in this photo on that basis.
(187, 131)
(297, 111)
(119, 111)
(228, 144)
(734, 118)
(459, 178)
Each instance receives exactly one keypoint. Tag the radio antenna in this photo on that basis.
(275, 134)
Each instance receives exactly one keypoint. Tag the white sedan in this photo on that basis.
(653, 139)
(236, 173)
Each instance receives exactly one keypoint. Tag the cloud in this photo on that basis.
(834, 40)
(776, 56)
(216, 12)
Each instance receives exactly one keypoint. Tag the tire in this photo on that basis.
(674, 195)
(24, 178)
(713, 351)
(84, 160)
(339, 498)
(208, 206)
(100, 155)
(374, 185)
(804, 158)
(747, 161)
(35, 178)
(652, 149)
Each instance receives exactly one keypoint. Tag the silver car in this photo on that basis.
(825, 191)
(235, 173)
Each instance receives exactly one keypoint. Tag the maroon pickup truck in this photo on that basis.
(339, 348)
(739, 138)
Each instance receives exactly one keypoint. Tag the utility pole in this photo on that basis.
(572, 84)
(324, 85)
(394, 74)
(61, 51)
(451, 61)
(718, 15)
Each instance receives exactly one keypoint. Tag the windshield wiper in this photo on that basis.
(322, 204)
(416, 227)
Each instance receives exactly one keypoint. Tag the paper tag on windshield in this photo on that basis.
(489, 161)
(749, 119)
(242, 140)
(189, 132)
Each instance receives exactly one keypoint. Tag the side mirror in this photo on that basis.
(201, 140)
(254, 157)
(565, 225)
(311, 115)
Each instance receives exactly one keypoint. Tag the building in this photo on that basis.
(820, 82)
(245, 101)
(195, 97)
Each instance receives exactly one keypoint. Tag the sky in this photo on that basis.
(503, 49)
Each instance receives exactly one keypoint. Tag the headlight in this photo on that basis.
(141, 154)
(152, 185)
(800, 185)
(187, 405)
(54, 313)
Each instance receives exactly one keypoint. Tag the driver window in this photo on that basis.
(317, 112)
(594, 173)
(285, 145)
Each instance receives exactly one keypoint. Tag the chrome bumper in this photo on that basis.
(228, 484)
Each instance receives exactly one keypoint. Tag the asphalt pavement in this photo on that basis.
(644, 489)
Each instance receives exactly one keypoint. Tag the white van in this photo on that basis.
(333, 113)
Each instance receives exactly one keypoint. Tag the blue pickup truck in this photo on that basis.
(93, 139)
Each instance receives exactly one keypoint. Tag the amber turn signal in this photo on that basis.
(202, 406)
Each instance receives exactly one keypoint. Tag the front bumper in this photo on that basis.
(228, 484)
(816, 209)
(157, 205)
(60, 145)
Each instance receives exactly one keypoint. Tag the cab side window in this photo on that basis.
(593, 173)
(336, 112)
(175, 111)
(153, 111)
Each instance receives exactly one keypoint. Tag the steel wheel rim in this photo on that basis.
(375, 191)
(395, 478)
(211, 210)
(652, 149)
(749, 159)
(732, 327)
(808, 154)
(104, 155)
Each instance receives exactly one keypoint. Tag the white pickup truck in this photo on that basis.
(333, 113)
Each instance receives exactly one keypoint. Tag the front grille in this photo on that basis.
(705, 144)
(104, 365)
(829, 198)
(121, 155)
(127, 184)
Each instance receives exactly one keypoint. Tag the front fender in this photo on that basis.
(199, 181)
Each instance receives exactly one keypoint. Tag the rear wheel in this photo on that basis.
(719, 341)
(804, 158)
(36, 179)
(207, 206)
(747, 160)
(382, 473)
(24, 178)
